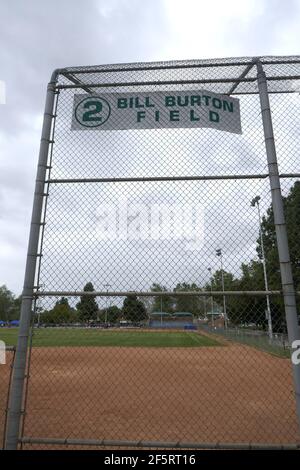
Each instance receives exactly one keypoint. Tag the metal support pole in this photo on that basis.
(16, 395)
(212, 305)
(211, 299)
(223, 289)
(270, 329)
(106, 303)
(219, 253)
(280, 226)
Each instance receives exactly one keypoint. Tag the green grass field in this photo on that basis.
(258, 342)
(54, 337)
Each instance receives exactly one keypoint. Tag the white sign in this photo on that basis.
(2, 92)
(156, 110)
(2, 353)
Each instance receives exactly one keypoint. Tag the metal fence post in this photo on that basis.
(280, 226)
(16, 394)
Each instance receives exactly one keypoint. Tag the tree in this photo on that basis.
(148, 303)
(291, 205)
(164, 303)
(6, 304)
(250, 309)
(192, 304)
(61, 313)
(229, 280)
(133, 309)
(16, 308)
(112, 314)
(233, 310)
(87, 307)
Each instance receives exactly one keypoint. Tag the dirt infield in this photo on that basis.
(228, 394)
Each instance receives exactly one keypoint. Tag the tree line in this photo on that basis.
(87, 310)
(241, 309)
(9, 305)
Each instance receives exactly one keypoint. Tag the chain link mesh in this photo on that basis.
(5, 383)
(140, 366)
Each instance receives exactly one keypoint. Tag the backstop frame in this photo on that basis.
(31, 292)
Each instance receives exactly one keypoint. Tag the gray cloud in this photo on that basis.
(35, 38)
(38, 36)
(262, 32)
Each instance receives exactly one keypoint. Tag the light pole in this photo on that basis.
(219, 253)
(255, 202)
(212, 301)
(107, 286)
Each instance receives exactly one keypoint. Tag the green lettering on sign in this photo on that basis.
(217, 103)
(90, 115)
(170, 101)
(196, 99)
(122, 103)
(148, 103)
(140, 115)
(138, 104)
(214, 117)
(182, 101)
(228, 106)
(206, 99)
(193, 117)
(174, 115)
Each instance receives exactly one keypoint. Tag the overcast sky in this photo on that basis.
(37, 36)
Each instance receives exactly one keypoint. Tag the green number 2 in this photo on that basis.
(90, 115)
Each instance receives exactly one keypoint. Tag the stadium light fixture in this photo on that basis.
(219, 253)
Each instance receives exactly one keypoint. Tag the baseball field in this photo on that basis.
(156, 386)
(57, 337)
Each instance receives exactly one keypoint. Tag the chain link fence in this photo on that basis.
(5, 384)
(159, 315)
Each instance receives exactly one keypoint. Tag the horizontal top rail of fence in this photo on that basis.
(235, 76)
